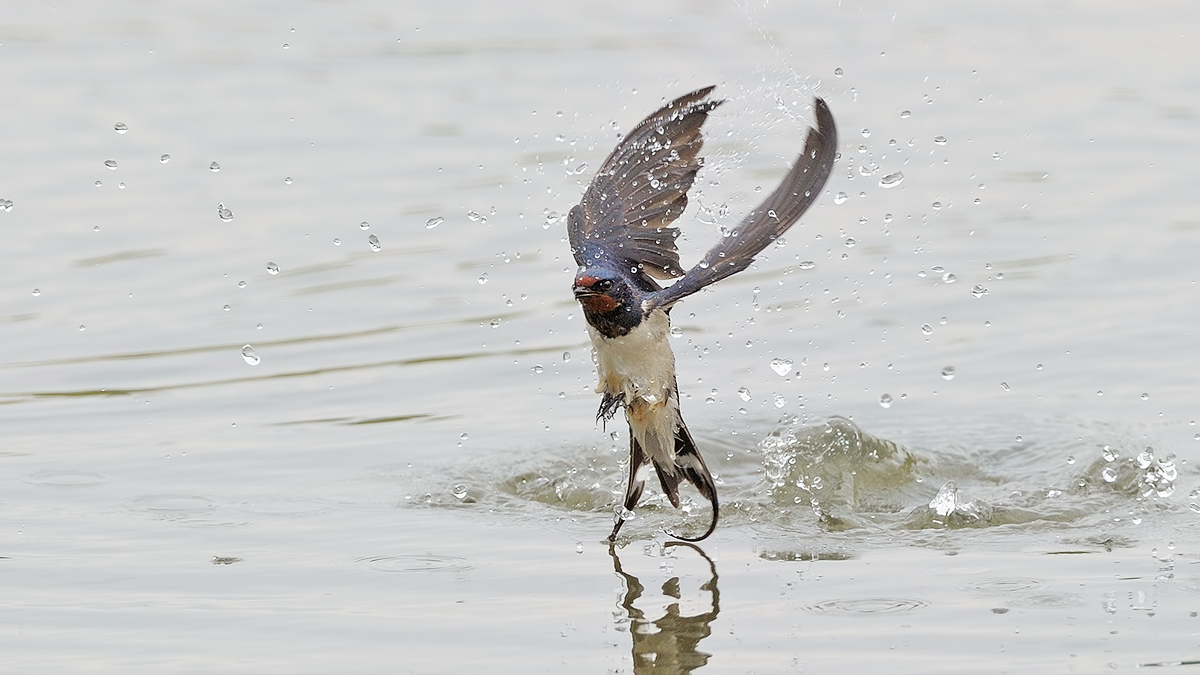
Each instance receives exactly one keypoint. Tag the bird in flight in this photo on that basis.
(621, 238)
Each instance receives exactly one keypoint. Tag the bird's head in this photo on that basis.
(609, 301)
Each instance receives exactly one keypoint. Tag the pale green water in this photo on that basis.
(410, 478)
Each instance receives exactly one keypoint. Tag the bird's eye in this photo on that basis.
(603, 285)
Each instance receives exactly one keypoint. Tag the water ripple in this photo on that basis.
(414, 564)
(866, 606)
(1004, 585)
(67, 478)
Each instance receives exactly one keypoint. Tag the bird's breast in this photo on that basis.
(638, 365)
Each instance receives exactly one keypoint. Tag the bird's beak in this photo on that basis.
(583, 291)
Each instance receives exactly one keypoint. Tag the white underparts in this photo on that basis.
(641, 367)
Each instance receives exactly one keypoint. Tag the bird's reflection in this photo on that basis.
(668, 644)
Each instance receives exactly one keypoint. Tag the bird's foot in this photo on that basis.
(609, 406)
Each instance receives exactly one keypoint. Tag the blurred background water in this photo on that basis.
(294, 382)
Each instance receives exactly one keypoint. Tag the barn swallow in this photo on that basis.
(621, 238)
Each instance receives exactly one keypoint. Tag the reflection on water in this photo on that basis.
(669, 643)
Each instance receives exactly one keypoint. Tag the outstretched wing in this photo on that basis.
(640, 189)
(768, 221)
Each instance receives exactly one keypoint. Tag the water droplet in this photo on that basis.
(120, 186)
(483, 278)
(272, 269)
(927, 329)
(566, 356)
(37, 291)
(948, 373)
(224, 213)
(1145, 458)
(937, 206)
(226, 308)
(214, 167)
(495, 323)
(82, 327)
(241, 284)
(1109, 454)
(744, 394)
(850, 242)
(250, 356)
(121, 127)
(164, 158)
(781, 366)
(807, 265)
(579, 547)
(905, 114)
(949, 278)
(780, 400)
(1004, 386)
(434, 222)
(866, 133)
(1145, 397)
(459, 491)
(373, 242)
(885, 401)
(537, 370)
(98, 183)
(939, 140)
(837, 72)
(840, 198)
(1109, 474)
(286, 46)
(978, 290)
(474, 217)
(1070, 459)
(676, 332)
(364, 225)
(337, 241)
(891, 180)
(111, 164)
(287, 180)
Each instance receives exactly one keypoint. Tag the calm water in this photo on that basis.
(294, 383)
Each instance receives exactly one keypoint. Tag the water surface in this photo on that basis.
(953, 414)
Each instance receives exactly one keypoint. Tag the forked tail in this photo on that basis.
(689, 465)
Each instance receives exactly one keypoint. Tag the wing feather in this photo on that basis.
(627, 210)
(779, 211)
